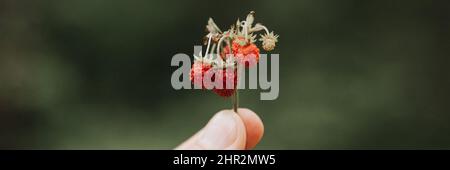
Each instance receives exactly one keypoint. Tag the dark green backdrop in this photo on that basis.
(96, 74)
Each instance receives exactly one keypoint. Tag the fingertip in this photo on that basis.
(225, 130)
(228, 130)
(254, 127)
(241, 136)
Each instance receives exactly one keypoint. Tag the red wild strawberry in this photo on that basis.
(201, 70)
(243, 52)
(198, 70)
(225, 76)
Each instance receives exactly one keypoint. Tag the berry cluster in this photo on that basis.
(234, 47)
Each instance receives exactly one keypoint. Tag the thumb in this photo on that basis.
(225, 130)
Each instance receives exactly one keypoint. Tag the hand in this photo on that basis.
(227, 130)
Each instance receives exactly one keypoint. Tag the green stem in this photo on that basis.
(236, 100)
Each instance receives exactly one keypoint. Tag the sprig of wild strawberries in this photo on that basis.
(234, 47)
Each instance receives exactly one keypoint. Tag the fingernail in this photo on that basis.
(220, 132)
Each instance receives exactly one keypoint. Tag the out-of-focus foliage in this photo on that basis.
(96, 74)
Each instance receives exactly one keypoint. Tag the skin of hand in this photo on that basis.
(227, 130)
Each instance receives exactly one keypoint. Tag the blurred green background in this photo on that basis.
(96, 74)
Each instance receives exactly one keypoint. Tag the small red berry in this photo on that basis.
(226, 76)
(243, 52)
(198, 70)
